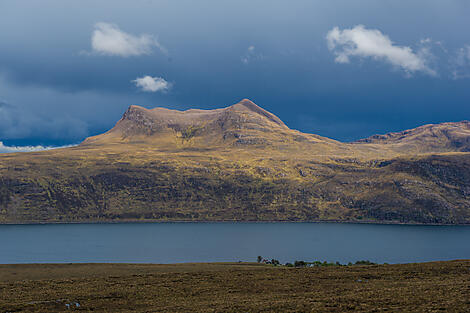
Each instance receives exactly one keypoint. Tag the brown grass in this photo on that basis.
(235, 287)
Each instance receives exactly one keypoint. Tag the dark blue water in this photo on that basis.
(215, 242)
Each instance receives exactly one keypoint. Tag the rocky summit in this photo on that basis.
(240, 163)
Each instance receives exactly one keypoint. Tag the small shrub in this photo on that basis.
(364, 262)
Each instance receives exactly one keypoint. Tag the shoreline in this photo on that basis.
(136, 221)
(222, 263)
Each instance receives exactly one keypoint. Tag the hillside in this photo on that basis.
(240, 163)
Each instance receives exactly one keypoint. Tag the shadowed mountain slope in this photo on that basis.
(240, 163)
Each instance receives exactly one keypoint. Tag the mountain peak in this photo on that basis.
(247, 102)
(248, 105)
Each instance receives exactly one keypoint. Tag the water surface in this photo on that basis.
(216, 242)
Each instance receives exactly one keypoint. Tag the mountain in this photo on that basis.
(240, 163)
(206, 127)
(242, 124)
(443, 137)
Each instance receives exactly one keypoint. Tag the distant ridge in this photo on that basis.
(449, 136)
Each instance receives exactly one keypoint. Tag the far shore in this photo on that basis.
(139, 221)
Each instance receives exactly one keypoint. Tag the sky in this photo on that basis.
(345, 69)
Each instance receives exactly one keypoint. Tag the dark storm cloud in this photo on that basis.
(18, 123)
(34, 115)
(273, 52)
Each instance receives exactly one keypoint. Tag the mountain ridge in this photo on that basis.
(243, 123)
(455, 134)
(247, 123)
(239, 163)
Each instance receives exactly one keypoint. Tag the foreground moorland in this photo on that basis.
(236, 287)
(240, 163)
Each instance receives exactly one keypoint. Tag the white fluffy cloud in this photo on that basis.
(362, 43)
(108, 39)
(12, 149)
(152, 84)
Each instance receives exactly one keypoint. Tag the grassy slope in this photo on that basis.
(426, 287)
(237, 164)
(146, 185)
